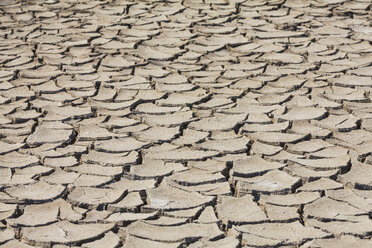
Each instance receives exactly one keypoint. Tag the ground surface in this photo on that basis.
(185, 124)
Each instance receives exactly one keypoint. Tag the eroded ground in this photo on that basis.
(185, 123)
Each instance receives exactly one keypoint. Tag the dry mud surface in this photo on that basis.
(195, 123)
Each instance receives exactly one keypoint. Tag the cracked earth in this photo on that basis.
(194, 123)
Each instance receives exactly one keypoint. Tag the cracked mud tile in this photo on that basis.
(190, 136)
(6, 235)
(61, 177)
(70, 112)
(310, 146)
(134, 241)
(354, 137)
(272, 182)
(321, 184)
(195, 177)
(130, 83)
(303, 113)
(95, 169)
(10, 178)
(60, 161)
(129, 203)
(119, 145)
(150, 108)
(208, 216)
(37, 192)
(219, 188)
(305, 127)
(157, 134)
(335, 211)
(169, 120)
(276, 138)
(340, 163)
(110, 159)
(92, 133)
(359, 176)
(270, 127)
(153, 169)
(94, 197)
(272, 234)
(209, 165)
(16, 243)
(133, 185)
(272, 99)
(258, 148)
(168, 198)
(181, 154)
(64, 232)
(44, 214)
(203, 182)
(167, 221)
(6, 147)
(178, 99)
(309, 175)
(359, 226)
(215, 103)
(109, 240)
(188, 214)
(85, 180)
(7, 211)
(226, 242)
(290, 200)
(228, 209)
(217, 123)
(352, 81)
(238, 145)
(343, 241)
(253, 166)
(123, 219)
(187, 232)
(350, 197)
(282, 214)
(341, 123)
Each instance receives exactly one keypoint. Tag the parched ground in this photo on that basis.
(195, 123)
